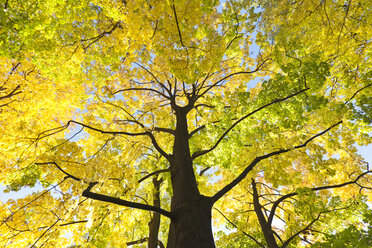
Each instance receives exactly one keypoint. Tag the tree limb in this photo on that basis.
(300, 231)
(152, 174)
(265, 226)
(259, 66)
(196, 130)
(351, 98)
(33, 245)
(200, 153)
(246, 234)
(28, 203)
(100, 197)
(285, 244)
(12, 93)
(146, 133)
(87, 193)
(142, 89)
(178, 26)
(281, 199)
(244, 173)
(140, 241)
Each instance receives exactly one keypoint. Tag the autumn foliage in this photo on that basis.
(146, 123)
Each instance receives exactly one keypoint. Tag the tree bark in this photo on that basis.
(191, 212)
(265, 226)
(191, 225)
(155, 220)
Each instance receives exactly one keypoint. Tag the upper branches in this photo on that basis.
(200, 153)
(201, 91)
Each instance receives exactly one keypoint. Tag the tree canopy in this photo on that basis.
(148, 122)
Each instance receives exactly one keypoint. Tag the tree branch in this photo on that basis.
(351, 98)
(101, 35)
(196, 130)
(259, 66)
(300, 231)
(33, 245)
(106, 132)
(152, 174)
(87, 193)
(140, 241)
(265, 227)
(178, 26)
(146, 133)
(309, 225)
(28, 203)
(143, 89)
(204, 170)
(244, 173)
(284, 197)
(165, 130)
(200, 153)
(246, 234)
(59, 168)
(12, 93)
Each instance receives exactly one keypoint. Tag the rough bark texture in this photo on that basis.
(155, 220)
(265, 226)
(191, 222)
(191, 226)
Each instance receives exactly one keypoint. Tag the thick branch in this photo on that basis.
(203, 171)
(164, 130)
(265, 227)
(152, 174)
(87, 193)
(196, 130)
(244, 173)
(200, 153)
(154, 224)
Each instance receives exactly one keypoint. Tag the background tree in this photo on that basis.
(244, 112)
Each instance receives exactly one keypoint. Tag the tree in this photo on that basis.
(244, 112)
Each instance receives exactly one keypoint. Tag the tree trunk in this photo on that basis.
(265, 226)
(155, 220)
(191, 223)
